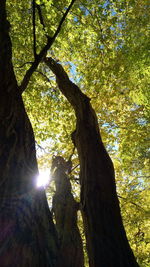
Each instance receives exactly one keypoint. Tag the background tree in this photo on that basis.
(65, 210)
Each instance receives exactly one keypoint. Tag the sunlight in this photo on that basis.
(43, 178)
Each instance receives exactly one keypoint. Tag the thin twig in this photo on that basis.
(74, 167)
(21, 66)
(40, 147)
(131, 202)
(44, 75)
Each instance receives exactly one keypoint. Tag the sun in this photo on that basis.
(43, 178)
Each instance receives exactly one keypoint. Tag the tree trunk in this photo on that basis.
(27, 233)
(65, 210)
(106, 238)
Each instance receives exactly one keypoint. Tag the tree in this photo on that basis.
(27, 232)
(106, 239)
(65, 210)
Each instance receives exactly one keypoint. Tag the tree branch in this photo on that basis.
(39, 57)
(73, 94)
(40, 16)
(44, 75)
(63, 19)
(74, 169)
(131, 202)
(21, 66)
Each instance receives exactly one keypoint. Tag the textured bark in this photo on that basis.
(106, 238)
(27, 233)
(65, 210)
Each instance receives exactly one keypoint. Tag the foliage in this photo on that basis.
(104, 47)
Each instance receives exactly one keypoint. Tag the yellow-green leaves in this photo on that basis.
(104, 46)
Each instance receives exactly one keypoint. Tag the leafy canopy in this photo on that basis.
(104, 46)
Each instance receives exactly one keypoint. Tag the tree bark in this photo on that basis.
(65, 211)
(27, 233)
(106, 238)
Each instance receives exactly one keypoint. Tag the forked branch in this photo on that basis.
(39, 57)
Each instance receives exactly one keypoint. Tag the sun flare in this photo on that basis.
(43, 178)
